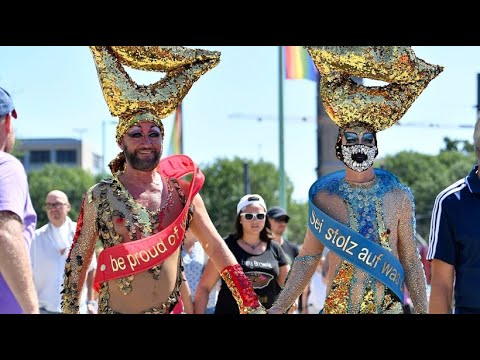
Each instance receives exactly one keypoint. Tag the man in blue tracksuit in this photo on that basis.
(454, 248)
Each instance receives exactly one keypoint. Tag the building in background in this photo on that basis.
(36, 153)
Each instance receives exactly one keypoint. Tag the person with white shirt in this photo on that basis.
(315, 293)
(194, 261)
(49, 251)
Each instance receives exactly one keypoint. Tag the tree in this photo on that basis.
(224, 186)
(72, 181)
(297, 226)
(427, 175)
(466, 147)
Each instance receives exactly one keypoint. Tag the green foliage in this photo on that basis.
(72, 181)
(427, 175)
(224, 186)
(463, 146)
(16, 149)
(297, 226)
(97, 178)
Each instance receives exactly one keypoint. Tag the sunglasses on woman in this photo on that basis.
(250, 216)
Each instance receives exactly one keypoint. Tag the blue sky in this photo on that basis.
(57, 94)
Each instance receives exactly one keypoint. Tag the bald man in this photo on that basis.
(49, 252)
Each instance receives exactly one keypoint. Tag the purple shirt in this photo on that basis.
(15, 197)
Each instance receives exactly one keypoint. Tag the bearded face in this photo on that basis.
(141, 160)
(357, 148)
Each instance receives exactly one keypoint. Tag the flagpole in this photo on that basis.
(319, 128)
(180, 127)
(282, 195)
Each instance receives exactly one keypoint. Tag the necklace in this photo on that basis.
(253, 247)
(146, 220)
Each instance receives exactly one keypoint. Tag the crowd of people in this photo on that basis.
(161, 253)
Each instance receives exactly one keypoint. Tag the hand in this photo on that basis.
(274, 310)
(293, 308)
(92, 307)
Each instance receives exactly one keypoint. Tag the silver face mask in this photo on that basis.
(359, 157)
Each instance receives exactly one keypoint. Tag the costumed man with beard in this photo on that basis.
(364, 216)
(142, 213)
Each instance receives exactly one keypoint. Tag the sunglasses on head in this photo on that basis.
(250, 216)
(368, 138)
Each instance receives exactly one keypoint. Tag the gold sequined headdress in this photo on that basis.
(347, 102)
(133, 103)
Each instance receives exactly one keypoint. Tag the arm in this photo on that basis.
(208, 280)
(91, 301)
(305, 299)
(283, 265)
(409, 256)
(282, 277)
(299, 277)
(15, 263)
(186, 294)
(283, 274)
(442, 254)
(442, 287)
(203, 229)
(80, 256)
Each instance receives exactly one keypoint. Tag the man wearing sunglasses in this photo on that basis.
(364, 216)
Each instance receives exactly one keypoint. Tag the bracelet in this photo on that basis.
(242, 290)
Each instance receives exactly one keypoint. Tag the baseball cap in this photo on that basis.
(250, 199)
(6, 104)
(277, 212)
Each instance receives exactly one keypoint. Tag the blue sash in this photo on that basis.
(355, 248)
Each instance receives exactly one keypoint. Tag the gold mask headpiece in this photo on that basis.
(347, 102)
(133, 103)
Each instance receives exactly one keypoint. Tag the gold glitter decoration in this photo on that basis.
(243, 307)
(337, 300)
(79, 260)
(132, 102)
(397, 64)
(347, 102)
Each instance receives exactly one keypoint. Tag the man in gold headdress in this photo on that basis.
(142, 213)
(364, 216)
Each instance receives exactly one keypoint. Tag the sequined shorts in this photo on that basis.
(153, 310)
(165, 308)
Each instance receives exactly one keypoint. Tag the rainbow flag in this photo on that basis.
(176, 140)
(299, 64)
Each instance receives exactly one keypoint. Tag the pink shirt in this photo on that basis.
(15, 197)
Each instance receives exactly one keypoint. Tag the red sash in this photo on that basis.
(178, 308)
(137, 256)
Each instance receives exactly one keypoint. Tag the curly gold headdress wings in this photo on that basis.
(133, 103)
(347, 102)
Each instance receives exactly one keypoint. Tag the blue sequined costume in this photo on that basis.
(382, 210)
